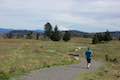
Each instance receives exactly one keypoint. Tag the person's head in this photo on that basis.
(88, 48)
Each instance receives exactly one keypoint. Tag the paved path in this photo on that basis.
(61, 73)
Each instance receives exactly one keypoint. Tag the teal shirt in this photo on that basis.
(89, 54)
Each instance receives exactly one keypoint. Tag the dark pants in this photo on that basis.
(88, 60)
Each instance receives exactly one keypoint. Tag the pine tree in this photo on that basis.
(9, 35)
(95, 39)
(56, 36)
(107, 36)
(37, 36)
(29, 35)
(100, 37)
(119, 38)
(67, 36)
(48, 30)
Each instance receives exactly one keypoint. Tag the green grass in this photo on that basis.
(22, 56)
(19, 56)
(111, 69)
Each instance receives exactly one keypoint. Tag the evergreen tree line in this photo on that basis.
(26, 35)
(101, 37)
(54, 34)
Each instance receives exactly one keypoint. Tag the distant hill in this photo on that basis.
(18, 33)
(41, 31)
(2, 30)
(74, 33)
(23, 33)
(115, 34)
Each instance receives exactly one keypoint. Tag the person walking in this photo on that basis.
(88, 55)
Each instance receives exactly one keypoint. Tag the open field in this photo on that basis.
(111, 69)
(21, 56)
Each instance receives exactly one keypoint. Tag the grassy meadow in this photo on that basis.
(19, 56)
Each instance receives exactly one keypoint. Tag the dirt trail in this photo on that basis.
(69, 72)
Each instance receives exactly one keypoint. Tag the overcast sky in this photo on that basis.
(83, 15)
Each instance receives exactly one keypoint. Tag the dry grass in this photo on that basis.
(18, 56)
(21, 56)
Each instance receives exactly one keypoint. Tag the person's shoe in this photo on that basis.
(87, 67)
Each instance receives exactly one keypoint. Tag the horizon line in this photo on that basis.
(64, 30)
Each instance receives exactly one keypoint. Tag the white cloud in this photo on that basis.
(83, 14)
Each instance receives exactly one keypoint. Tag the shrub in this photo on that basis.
(56, 36)
(4, 75)
(67, 36)
(95, 40)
